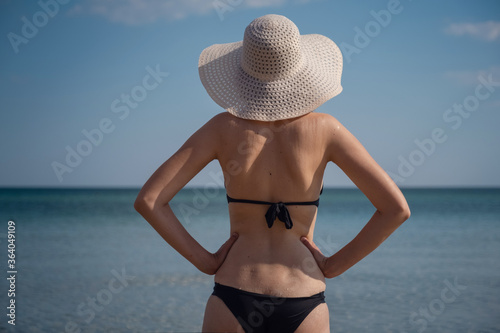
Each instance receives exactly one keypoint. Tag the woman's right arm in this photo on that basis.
(153, 200)
(391, 207)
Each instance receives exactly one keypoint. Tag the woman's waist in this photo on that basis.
(287, 270)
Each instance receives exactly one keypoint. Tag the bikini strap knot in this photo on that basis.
(280, 211)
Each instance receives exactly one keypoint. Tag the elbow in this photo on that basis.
(406, 213)
(403, 212)
(146, 203)
(139, 205)
(143, 204)
(399, 213)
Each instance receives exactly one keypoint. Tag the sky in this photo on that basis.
(98, 93)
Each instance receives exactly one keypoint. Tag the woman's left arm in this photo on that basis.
(153, 199)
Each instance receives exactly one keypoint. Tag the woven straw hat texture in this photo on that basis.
(274, 73)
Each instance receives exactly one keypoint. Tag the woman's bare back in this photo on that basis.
(280, 161)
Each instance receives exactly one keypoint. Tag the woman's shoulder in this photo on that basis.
(217, 125)
(324, 118)
(223, 120)
(322, 123)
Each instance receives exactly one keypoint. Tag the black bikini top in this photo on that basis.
(277, 209)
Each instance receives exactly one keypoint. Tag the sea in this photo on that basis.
(82, 260)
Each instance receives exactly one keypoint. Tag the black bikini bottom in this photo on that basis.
(258, 313)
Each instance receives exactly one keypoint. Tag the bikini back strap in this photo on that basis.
(229, 199)
(257, 202)
(277, 210)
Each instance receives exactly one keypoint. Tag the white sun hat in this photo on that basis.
(274, 73)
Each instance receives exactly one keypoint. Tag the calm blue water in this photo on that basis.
(87, 261)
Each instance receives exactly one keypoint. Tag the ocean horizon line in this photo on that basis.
(194, 187)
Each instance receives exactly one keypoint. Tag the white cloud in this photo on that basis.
(469, 78)
(137, 12)
(489, 31)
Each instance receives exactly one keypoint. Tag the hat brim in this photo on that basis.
(317, 81)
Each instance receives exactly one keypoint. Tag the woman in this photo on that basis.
(273, 150)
